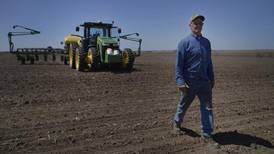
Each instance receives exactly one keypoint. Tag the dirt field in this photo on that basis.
(50, 108)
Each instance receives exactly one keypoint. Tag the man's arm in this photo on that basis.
(179, 67)
(210, 69)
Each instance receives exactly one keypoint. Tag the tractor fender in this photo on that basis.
(72, 40)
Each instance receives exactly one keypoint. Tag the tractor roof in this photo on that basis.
(96, 24)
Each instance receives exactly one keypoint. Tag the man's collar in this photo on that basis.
(197, 36)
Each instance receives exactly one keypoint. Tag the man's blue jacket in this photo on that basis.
(193, 60)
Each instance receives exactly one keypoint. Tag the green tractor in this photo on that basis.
(99, 47)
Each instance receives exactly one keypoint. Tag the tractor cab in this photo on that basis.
(93, 30)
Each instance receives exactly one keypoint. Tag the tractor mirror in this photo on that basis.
(119, 30)
(77, 29)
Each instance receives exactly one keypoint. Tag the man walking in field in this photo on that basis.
(195, 76)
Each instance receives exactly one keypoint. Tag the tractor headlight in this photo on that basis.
(109, 51)
(116, 52)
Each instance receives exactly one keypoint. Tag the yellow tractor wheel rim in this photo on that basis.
(70, 55)
(77, 58)
(125, 59)
(89, 58)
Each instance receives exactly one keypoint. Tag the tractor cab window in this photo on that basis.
(95, 32)
(114, 32)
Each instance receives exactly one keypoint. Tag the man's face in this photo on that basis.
(196, 26)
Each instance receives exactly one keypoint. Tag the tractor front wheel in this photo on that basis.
(127, 59)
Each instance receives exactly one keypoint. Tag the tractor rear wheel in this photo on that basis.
(127, 59)
(71, 56)
(92, 59)
(80, 59)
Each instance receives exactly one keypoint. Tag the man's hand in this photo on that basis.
(184, 88)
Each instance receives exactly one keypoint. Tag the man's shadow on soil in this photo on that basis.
(189, 132)
(227, 138)
(230, 138)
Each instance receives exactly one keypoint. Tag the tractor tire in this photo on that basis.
(80, 59)
(71, 56)
(92, 59)
(127, 59)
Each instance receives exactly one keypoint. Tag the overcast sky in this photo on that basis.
(229, 24)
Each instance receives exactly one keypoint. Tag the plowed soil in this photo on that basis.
(50, 108)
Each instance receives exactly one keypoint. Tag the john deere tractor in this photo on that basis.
(99, 47)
